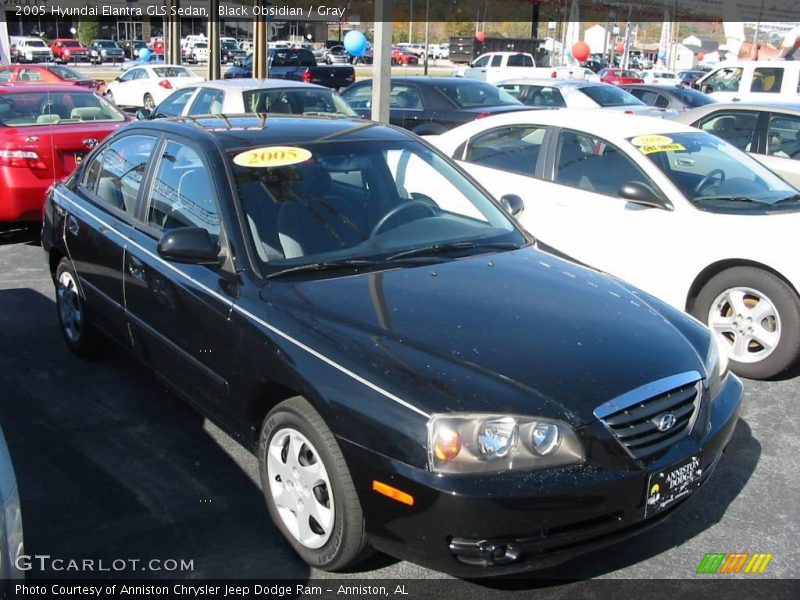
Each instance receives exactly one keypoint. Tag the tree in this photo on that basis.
(88, 30)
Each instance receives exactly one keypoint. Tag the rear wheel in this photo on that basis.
(308, 488)
(755, 315)
(149, 103)
(76, 326)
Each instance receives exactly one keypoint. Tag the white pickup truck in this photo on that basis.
(498, 66)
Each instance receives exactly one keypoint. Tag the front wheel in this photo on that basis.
(308, 488)
(755, 315)
(149, 103)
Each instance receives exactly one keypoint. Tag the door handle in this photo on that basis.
(135, 268)
(72, 225)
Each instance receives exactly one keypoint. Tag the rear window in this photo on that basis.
(286, 57)
(65, 73)
(609, 95)
(520, 60)
(54, 108)
(172, 72)
(627, 74)
(474, 94)
(296, 101)
(71, 44)
(693, 98)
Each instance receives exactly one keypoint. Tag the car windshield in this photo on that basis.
(229, 45)
(35, 44)
(297, 101)
(71, 44)
(609, 95)
(713, 174)
(474, 94)
(625, 74)
(55, 108)
(106, 44)
(366, 200)
(65, 73)
(201, 45)
(172, 72)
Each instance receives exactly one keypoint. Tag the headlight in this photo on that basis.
(716, 365)
(481, 443)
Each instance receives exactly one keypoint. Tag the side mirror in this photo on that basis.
(143, 114)
(513, 204)
(189, 245)
(642, 194)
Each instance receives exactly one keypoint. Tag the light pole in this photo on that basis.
(410, 19)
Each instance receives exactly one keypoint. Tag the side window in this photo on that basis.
(128, 76)
(359, 97)
(725, 80)
(544, 96)
(5, 75)
(140, 74)
(767, 79)
(92, 170)
(519, 60)
(735, 127)
(482, 61)
(207, 102)
(405, 96)
(783, 138)
(594, 165)
(29, 75)
(120, 175)
(660, 101)
(173, 105)
(183, 194)
(497, 60)
(514, 148)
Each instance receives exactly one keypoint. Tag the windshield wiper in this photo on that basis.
(330, 265)
(792, 198)
(731, 199)
(454, 246)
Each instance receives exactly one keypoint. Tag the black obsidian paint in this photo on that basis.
(378, 350)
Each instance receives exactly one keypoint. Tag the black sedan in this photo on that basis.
(432, 105)
(672, 97)
(411, 372)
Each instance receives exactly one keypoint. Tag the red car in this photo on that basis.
(47, 74)
(400, 56)
(68, 50)
(45, 131)
(619, 76)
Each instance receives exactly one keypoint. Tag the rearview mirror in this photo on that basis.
(143, 114)
(189, 245)
(513, 204)
(642, 194)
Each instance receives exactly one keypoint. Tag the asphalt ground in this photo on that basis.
(111, 465)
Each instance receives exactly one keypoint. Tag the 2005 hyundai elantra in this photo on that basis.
(413, 374)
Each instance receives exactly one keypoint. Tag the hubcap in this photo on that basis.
(300, 488)
(69, 307)
(746, 322)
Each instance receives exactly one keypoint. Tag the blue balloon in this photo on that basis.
(568, 53)
(355, 43)
(144, 53)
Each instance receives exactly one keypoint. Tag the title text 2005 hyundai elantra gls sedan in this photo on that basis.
(411, 372)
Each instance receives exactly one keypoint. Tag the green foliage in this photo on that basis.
(88, 30)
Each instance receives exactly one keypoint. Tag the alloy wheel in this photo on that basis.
(746, 322)
(69, 307)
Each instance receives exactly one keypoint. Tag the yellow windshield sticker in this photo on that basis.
(272, 156)
(661, 148)
(651, 140)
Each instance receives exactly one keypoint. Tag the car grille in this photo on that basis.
(646, 424)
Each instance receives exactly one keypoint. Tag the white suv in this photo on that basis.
(753, 81)
(31, 49)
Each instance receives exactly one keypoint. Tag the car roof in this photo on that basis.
(612, 124)
(788, 107)
(258, 84)
(553, 82)
(248, 130)
(429, 80)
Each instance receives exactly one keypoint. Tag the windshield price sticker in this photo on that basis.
(647, 144)
(272, 156)
(661, 148)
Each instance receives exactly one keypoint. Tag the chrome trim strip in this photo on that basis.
(247, 314)
(645, 392)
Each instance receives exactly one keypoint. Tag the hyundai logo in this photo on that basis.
(665, 421)
(90, 143)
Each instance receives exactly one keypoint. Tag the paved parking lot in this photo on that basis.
(111, 465)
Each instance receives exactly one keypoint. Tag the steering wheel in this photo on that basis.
(398, 209)
(707, 179)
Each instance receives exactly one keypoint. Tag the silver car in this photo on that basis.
(10, 518)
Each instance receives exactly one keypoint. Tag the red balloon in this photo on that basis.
(699, 55)
(480, 36)
(580, 50)
(619, 48)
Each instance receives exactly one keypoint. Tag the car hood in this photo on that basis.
(516, 332)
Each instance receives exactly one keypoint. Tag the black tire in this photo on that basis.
(82, 338)
(347, 541)
(148, 102)
(785, 302)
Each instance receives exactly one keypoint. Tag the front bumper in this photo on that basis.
(473, 526)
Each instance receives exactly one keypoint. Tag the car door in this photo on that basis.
(179, 312)
(208, 101)
(100, 221)
(738, 127)
(125, 89)
(781, 148)
(726, 84)
(580, 213)
(477, 69)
